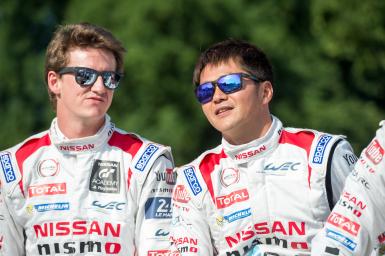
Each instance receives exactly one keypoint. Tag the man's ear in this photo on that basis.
(266, 92)
(53, 82)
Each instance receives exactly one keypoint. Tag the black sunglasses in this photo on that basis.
(228, 84)
(87, 76)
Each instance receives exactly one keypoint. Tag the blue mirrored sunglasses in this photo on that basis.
(87, 76)
(228, 84)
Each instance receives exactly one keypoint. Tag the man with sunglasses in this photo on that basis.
(357, 224)
(85, 187)
(266, 189)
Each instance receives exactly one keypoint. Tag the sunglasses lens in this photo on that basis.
(230, 83)
(204, 92)
(111, 80)
(85, 77)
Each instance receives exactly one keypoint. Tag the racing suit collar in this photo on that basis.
(81, 145)
(256, 148)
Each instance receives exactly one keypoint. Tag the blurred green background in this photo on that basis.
(328, 57)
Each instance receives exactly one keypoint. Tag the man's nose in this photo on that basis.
(219, 95)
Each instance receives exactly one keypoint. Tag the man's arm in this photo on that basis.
(357, 223)
(154, 208)
(190, 233)
(343, 160)
(11, 235)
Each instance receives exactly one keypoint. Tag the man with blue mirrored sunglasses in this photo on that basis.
(84, 187)
(265, 189)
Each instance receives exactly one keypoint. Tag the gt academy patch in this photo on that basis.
(105, 177)
(6, 164)
(145, 157)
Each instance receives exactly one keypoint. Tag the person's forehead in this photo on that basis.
(90, 56)
(213, 71)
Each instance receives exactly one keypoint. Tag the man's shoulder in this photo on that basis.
(306, 135)
(13, 157)
(38, 138)
(198, 171)
(207, 158)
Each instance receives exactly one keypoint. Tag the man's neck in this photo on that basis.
(250, 133)
(79, 128)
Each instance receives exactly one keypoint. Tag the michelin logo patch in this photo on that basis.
(145, 157)
(348, 243)
(192, 180)
(320, 149)
(7, 167)
(238, 215)
(52, 207)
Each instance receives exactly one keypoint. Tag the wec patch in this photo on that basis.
(6, 164)
(145, 157)
(320, 149)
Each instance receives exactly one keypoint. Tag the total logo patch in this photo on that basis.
(344, 223)
(47, 189)
(48, 167)
(105, 177)
(232, 198)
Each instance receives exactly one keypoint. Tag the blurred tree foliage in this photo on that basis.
(328, 57)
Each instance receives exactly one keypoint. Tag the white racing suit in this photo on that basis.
(107, 194)
(271, 195)
(357, 223)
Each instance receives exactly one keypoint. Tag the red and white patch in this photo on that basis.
(48, 168)
(47, 189)
(180, 194)
(374, 152)
(229, 176)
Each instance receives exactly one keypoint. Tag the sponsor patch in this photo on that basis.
(48, 167)
(52, 207)
(180, 194)
(229, 176)
(232, 198)
(332, 250)
(145, 157)
(6, 164)
(169, 176)
(344, 223)
(105, 177)
(320, 149)
(381, 238)
(374, 152)
(287, 166)
(113, 205)
(47, 189)
(238, 215)
(192, 180)
(348, 243)
(158, 208)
